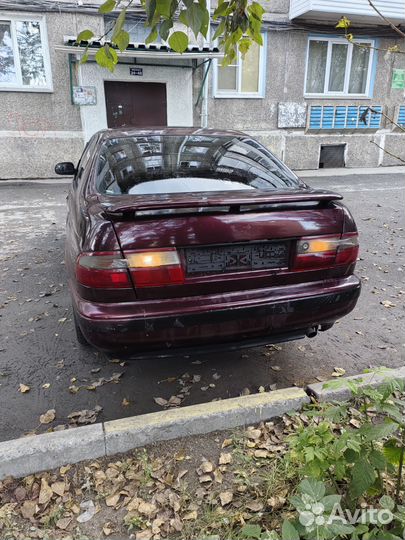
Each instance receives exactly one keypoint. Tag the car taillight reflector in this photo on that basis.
(103, 270)
(321, 251)
(348, 249)
(155, 268)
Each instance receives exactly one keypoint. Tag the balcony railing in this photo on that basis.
(355, 10)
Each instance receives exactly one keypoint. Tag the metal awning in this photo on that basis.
(141, 50)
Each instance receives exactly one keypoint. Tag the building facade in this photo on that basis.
(315, 99)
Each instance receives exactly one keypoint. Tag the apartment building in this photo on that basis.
(315, 99)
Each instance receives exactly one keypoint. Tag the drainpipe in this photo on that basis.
(204, 100)
(207, 65)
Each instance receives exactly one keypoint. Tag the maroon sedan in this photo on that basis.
(183, 239)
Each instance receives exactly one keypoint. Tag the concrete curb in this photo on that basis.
(30, 455)
(343, 393)
(122, 435)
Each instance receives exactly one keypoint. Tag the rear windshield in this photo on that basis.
(160, 164)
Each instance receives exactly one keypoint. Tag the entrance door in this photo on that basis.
(135, 104)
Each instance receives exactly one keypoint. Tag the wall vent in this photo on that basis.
(344, 117)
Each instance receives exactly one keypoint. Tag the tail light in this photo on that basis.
(155, 268)
(319, 251)
(103, 269)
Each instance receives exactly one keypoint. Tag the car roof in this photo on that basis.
(107, 134)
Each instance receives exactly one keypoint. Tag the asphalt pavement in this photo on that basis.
(38, 348)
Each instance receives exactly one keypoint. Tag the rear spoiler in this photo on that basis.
(135, 203)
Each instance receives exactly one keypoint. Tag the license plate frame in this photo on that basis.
(242, 257)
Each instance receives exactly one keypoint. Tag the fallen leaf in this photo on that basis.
(23, 388)
(63, 523)
(225, 497)
(276, 368)
(112, 500)
(160, 401)
(147, 534)
(206, 466)
(218, 477)
(226, 443)
(107, 528)
(28, 509)
(276, 502)
(253, 433)
(254, 506)
(146, 508)
(339, 372)
(46, 385)
(261, 453)
(205, 478)
(20, 493)
(58, 488)
(48, 417)
(125, 402)
(190, 516)
(86, 416)
(45, 493)
(225, 458)
(388, 304)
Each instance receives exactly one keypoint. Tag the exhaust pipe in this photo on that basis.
(312, 332)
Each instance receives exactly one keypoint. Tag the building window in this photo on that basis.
(24, 57)
(338, 68)
(245, 78)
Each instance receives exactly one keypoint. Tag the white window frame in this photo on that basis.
(19, 86)
(345, 93)
(238, 93)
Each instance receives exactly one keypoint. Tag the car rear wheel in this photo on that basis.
(79, 334)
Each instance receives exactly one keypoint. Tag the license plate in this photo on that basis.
(237, 257)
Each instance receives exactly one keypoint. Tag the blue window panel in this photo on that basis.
(352, 117)
(348, 117)
(401, 115)
(340, 117)
(315, 121)
(328, 119)
(375, 118)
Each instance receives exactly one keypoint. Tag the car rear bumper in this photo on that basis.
(231, 321)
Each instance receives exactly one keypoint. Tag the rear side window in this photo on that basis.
(161, 164)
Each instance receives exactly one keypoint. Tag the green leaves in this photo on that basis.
(84, 35)
(165, 28)
(312, 488)
(107, 6)
(122, 40)
(178, 41)
(392, 451)
(289, 532)
(250, 532)
(372, 432)
(196, 18)
(363, 477)
(107, 57)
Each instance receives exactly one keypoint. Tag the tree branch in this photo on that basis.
(387, 152)
(397, 30)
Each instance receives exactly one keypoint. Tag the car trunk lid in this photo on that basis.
(225, 242)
